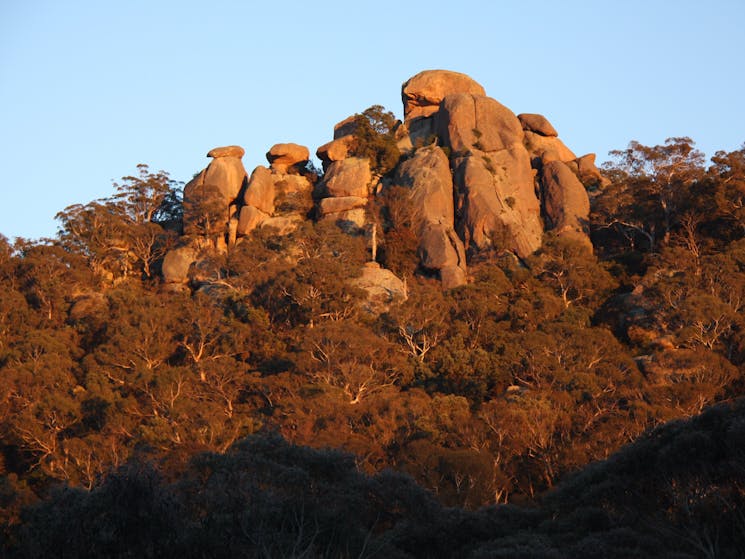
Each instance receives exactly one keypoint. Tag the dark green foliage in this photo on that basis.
(374, 139)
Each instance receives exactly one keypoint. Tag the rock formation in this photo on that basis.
(277, 197)
(479, 177)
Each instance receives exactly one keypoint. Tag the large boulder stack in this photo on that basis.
(348, 180)
(513, 178)
(479, 178)
(278, 196)
(492, 172)
(210, 198)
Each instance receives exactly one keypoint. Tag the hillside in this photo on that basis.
(456, 297)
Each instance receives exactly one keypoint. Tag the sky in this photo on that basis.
(89, 89)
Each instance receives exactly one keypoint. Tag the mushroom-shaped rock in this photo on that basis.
(283, 156)
(349, 177)
(565, 199)
(537, 123)
(469, 122)
(422, 93)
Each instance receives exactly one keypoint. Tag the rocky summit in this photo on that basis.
(478, 178)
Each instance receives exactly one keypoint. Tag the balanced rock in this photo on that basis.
(538, 145)
(227, 151)
(218, 185)
(537, 123)
(335, 150)
(283, 156)
(421, 94)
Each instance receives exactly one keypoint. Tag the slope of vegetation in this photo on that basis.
(114, 387)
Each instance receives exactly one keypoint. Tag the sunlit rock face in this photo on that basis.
(479, 178)
(512, 177)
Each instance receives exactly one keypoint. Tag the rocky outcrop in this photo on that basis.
(276, 197)
(383, 287)
(176, 265)
(283, 156)
(537, 123)
(348, 177)
(478, 176)
(421, 94)
(210, 198)
(427, 175)
(565, 201)
(492, 174)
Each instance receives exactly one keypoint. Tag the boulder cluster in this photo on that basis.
(479, 177)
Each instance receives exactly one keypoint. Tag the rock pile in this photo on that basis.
(479, 177)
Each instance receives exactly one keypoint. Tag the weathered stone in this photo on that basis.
(250, 218)
(537, 145)
(350, 221)
(440, 247)
(499, 201)
(291, 184)
(283, 156)
(587, 172)
(260, 191)
(428, 176)
(452, 276)
(176, 263)
(537, 123)
(283, 224)
(228, 175)
(341, 204)
(467, 122)
(422, 93)
(335, 150)
(227, 151)
(382, 286)
(349, 177)
(346, 127)
(416, 133)
(565, 200)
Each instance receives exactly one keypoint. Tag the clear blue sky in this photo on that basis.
(89, 89)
